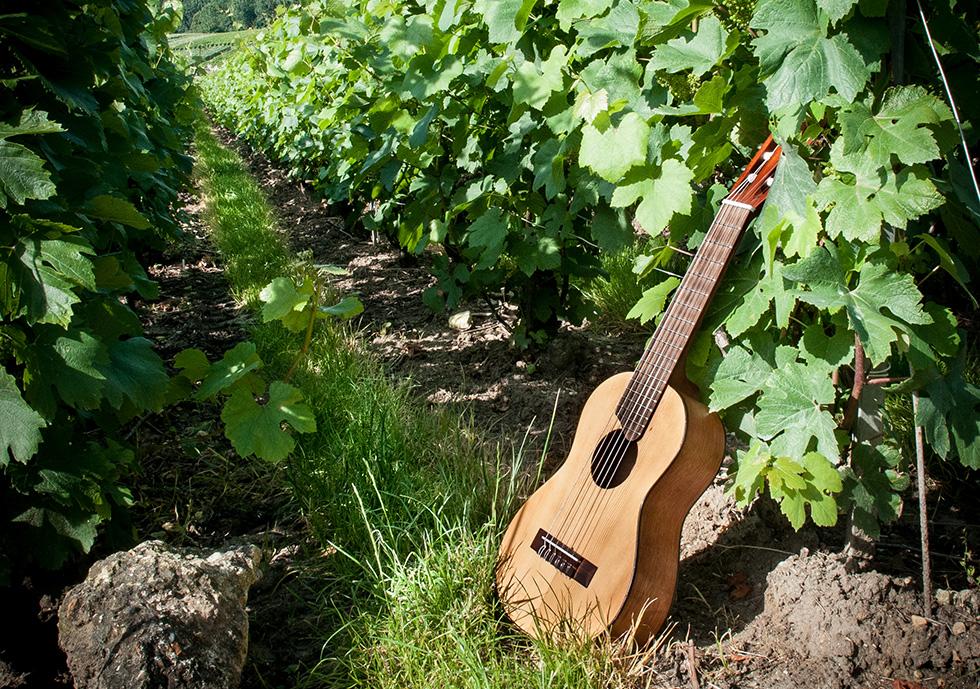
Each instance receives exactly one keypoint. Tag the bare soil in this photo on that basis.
(757, 604)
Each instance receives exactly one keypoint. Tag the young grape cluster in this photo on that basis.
(735, 14)
(682, 85)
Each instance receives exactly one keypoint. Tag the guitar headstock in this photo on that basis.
(753, 185)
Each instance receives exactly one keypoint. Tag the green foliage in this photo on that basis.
(211, 19)
(219, 16)
(524, 139)
(94, 118)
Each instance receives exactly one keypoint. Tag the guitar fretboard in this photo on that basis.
(681, 319)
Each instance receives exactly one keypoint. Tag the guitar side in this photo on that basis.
(630, 533)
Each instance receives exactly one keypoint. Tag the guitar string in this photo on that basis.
(641, 403)
(619, 452)
(646, 401)
(614, 453)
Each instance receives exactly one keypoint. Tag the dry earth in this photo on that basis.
(758, 605)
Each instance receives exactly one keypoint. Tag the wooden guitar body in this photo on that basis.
(629, 532)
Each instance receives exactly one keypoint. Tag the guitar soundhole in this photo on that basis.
(613, 460)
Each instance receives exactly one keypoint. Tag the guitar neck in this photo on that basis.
(681, 319)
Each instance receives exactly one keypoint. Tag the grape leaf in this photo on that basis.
(612, 230)
(738, 375)
(487, 235)
(651, 304)
(543, 254)
(570, 10)
(792, 184)
(505, 19)
(549, 168)
(823, 474)
(785, 474)
(611, 153)
(836, 9)
(65, 360)
(588, 105)
(255, 428)
(881, 305)
(668, 193)
(534, 86)
(78, 526)
(617, 28)
(798, 61)
(234, 365)
(20, 425)
(698, 52)
(134, 371)
(280, 298)
(857, 207)
(115, 209)
(749, 476)
(835, 350)
(948, 413)
(193, 364)
(41, 277)
(619, 76)
(791, 414)
(22, 173)
(897, 128)
(348, 307)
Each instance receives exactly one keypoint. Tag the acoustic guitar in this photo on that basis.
(597, 546)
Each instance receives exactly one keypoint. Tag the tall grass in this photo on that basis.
(405, 505)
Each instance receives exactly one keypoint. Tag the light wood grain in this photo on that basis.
(630, 532)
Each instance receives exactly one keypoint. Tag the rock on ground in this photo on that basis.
(155, 616)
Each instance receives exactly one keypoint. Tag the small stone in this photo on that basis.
(944, 597)
(156, 616)
(918, 674)
(461, 320)
(959, 628)
(919, 621)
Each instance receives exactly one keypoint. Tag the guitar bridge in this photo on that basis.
(563, 558)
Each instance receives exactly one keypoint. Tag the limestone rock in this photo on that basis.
(155, 616)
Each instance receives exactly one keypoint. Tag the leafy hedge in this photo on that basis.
(94, 122)
(524, 137)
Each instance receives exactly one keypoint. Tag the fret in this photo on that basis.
(696, 291)
(695, 275)
(650, 365)
(649, 362)
(724, 224)
(721, 263)
(681, 318)
(672, 332)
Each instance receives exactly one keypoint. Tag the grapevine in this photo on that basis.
(517, 141)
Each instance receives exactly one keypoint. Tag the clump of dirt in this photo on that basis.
(861, 628)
